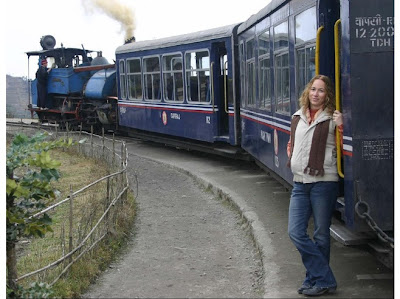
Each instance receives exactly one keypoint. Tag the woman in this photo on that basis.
(312, 159)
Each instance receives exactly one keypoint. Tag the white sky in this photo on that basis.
(72, 25)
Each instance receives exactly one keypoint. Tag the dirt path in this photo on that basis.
(186, 243)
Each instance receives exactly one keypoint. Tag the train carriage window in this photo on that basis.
(281, 36)
(305, 33)
(134, 72)
(250, 73)
(152, 78)
(306, 25)
(173, 77)
(282, 83)
(263, 43)
(122, 79)
(198, 76)
(264, 71)
(281, 55)
(305, 68)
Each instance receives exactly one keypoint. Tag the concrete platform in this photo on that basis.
(264, 203)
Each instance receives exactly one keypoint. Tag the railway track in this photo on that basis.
(219, 149)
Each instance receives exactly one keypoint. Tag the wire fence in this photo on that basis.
(86, 216)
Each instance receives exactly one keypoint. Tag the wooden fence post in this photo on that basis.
(113, 148)
(124, 175)
(91, 140)
(102, 132)
(80, 134)
(122, 155)
(107, 203)
(70, 222)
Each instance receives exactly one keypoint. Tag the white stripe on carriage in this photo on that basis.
(163, 106)
(348, 148)
(349, 138)
(267, 116)
(272, 123)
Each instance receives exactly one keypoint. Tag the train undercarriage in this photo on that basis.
(78, 113)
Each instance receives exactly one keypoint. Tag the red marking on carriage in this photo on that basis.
(276, 147)
(164, 118)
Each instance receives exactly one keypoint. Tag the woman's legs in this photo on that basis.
(299, 214)
(306, 200)
(323, 200)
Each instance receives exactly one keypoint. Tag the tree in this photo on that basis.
(30, 172)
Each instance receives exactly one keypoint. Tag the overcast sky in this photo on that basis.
(77, 22)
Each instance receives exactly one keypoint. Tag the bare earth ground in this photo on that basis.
(186, 243)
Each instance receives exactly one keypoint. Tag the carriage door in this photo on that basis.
(329, 13)
(219, 69)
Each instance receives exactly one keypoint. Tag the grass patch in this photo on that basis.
(76, 172)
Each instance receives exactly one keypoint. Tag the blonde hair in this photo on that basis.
(329, 104)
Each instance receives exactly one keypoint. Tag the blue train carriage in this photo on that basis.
(80, 90)
(181, 86)
(281, 48)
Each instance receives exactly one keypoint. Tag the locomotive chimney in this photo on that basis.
(130, 40)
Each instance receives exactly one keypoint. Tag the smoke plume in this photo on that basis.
(115, 10)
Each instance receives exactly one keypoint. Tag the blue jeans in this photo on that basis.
(317, 200)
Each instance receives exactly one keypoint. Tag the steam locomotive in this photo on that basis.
(238, 85)
(81, 89)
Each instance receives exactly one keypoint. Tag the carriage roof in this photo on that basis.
(199, 36)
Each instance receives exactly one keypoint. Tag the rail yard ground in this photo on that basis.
(190, 244)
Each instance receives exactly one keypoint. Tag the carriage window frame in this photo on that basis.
(134, 74)
(194, 73)
(152, 74)
(122, 79)
(173, 72)
(282, 71)
(250, 71)
(265, 77)
(304, 48)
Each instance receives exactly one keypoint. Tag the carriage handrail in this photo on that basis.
(317, 47)
(225, 93)
(212, 85)
(337, 92)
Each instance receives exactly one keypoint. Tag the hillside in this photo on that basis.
(17, 97)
